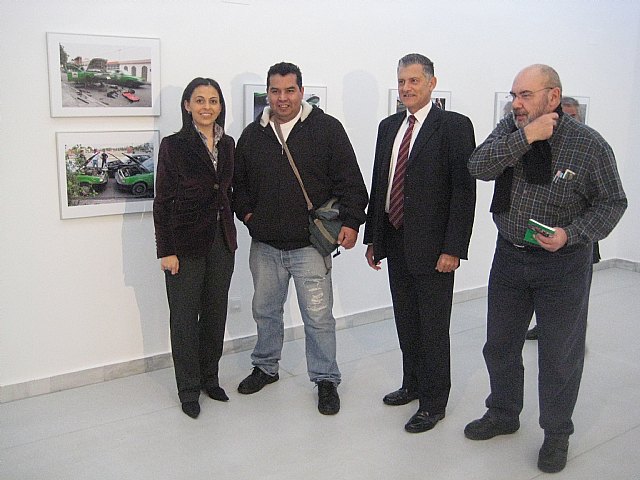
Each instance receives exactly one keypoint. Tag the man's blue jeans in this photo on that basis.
(272, 269)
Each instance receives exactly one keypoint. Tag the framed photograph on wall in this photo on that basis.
(440, 98)
(576, 106)
(95, 76)
(501, 106)
(106, 173)
(255, 99)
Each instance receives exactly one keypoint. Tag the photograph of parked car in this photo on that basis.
(106, 173)
(91, 75)
(137, 177)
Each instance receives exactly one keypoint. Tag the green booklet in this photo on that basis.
(534, 227)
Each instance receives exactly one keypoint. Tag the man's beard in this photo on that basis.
(531, 116)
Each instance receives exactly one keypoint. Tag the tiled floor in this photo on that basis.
(133, 428)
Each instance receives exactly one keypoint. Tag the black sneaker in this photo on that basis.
(553, 453)
(488, 427)
(328, 399)
(256, 381)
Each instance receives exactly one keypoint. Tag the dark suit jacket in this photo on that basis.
(439, 192)
(190, 193)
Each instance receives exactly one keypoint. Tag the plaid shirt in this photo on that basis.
(587, 206)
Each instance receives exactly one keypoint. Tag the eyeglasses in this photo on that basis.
(526, 95)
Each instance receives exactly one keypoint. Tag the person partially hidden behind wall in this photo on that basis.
(553, 169)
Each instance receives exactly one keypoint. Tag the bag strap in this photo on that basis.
(293, 164)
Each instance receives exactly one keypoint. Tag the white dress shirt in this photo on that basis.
(421, 116)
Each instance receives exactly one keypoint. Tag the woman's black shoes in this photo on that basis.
(217, 393)
(191, 408)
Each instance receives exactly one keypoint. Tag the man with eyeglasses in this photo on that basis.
(550, 168)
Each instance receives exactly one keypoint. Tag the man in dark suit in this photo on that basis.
(420, 218)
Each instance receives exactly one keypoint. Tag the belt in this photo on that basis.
(528, 248)
(522, 248)
(536, 249)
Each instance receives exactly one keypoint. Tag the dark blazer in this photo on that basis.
(439, 192)
(190, 193)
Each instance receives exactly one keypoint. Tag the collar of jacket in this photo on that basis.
(266, 114)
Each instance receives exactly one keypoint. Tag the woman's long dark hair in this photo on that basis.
(187, 122)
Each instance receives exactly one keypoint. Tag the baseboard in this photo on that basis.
(617, 263)
(9, 393)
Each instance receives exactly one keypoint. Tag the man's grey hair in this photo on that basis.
(570, 101)
(417, 59)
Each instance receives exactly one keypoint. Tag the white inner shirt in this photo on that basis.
(421, 116)
(286, 127)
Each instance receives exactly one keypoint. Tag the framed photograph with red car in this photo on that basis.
(97, 75)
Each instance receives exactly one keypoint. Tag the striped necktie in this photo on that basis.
(396, 199)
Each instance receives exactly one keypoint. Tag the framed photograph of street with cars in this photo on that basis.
(95, 76)
(106, 173)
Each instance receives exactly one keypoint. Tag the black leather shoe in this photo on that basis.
(553, 453)
(217, 393)
(328, 399)
(256, 381)
(191, 408)
(423, 421)
(400, 397)
(488, 427)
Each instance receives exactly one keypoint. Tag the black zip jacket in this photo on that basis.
(266, 187)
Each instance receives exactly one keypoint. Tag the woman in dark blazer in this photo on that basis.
(196, 239)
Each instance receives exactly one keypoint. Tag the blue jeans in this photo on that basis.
(272, 269)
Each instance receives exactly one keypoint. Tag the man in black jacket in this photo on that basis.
(420, 219)
(269, 200)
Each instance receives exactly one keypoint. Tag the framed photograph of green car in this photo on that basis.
(439, 98)
(106, 173)
(255, 99)
(95, 76)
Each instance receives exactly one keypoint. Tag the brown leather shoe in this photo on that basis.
(400, 397)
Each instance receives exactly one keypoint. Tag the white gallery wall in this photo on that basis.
(83, 293)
